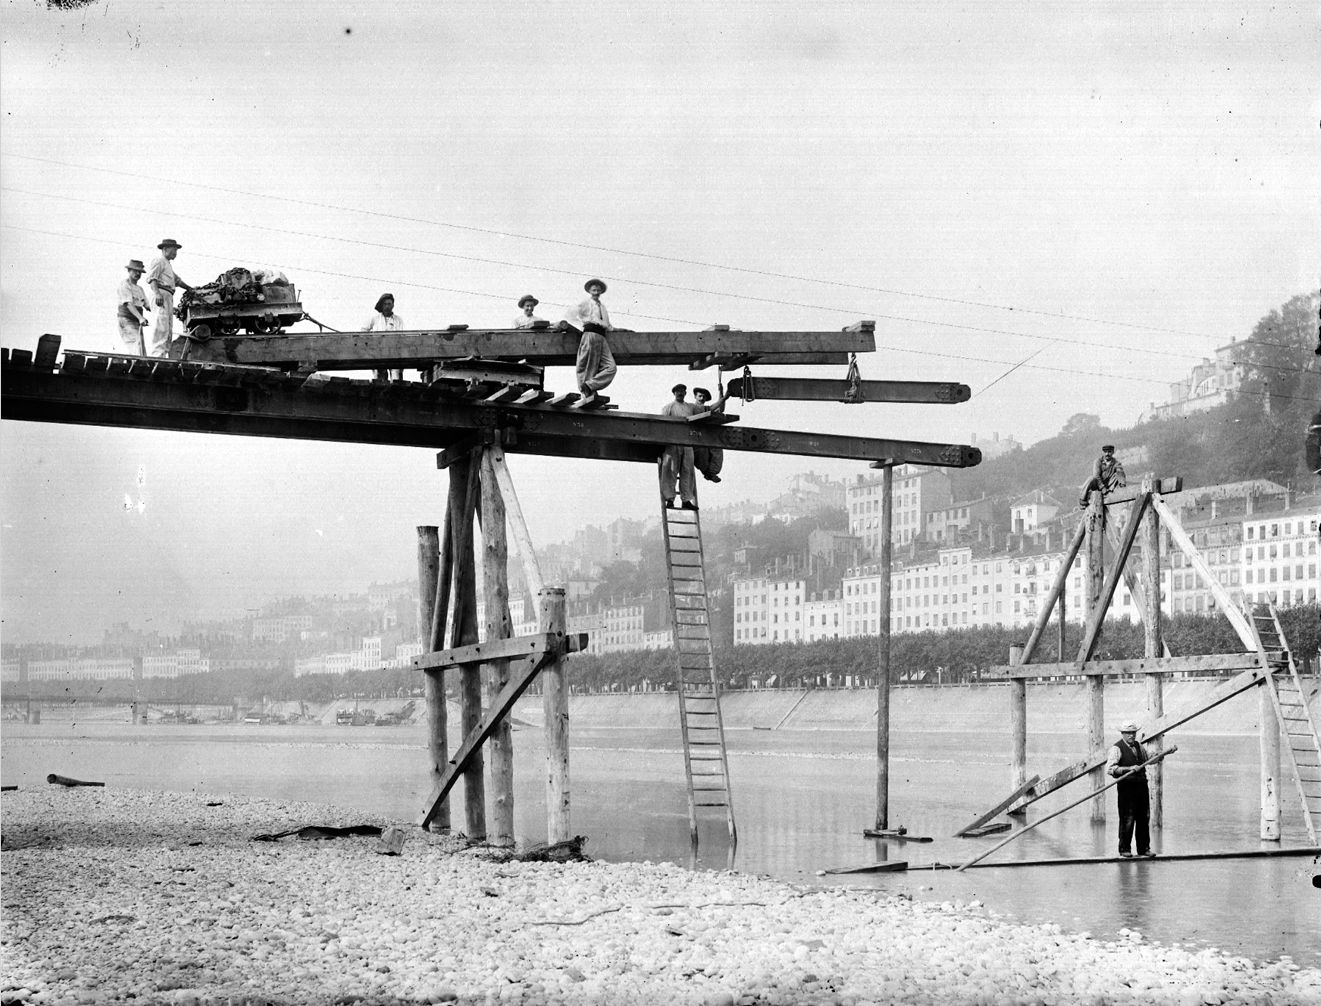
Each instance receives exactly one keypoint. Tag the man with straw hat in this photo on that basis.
(527, 303)
(163, 281)
(1134, 799)
(596, 364)
(132, 309)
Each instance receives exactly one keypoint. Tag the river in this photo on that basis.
(802, 797)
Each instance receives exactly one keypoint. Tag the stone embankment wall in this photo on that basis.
(1051, 708)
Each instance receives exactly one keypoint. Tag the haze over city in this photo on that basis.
(1065, 208)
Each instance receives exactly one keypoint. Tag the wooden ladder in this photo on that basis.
(705, 761)
(1290, 701)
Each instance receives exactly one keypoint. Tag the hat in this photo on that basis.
(588, 285)
(1128, 727)
(136, 264)
(528, 297)
(701, 391)
(679, 387)
(1107, 447)
(169, 243)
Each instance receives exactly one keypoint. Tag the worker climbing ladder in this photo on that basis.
(706, 763)
(1290, 701)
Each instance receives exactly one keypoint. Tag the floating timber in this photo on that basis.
(103, 389)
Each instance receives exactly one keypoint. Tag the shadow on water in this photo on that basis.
(802, 800)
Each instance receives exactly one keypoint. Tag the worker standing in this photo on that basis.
(709, 460)
(1134, 798)
(596, 364)
(384, 319)
(163, 281)
(676, 462)
(132, 309)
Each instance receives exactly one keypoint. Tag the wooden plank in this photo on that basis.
(48, 350)
(884, 866)
(520, 676)
(1209, 662)
(20, 358)
(1127, 494)
(501, 649)
(982, 830)
(1164, 857)
(517, 525)
(538, 347)
(1000, 807)
(895, 835)
(808, 389)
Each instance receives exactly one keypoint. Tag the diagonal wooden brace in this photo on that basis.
(503, 649)
(520, 676)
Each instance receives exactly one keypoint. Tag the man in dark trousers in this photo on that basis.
(1107, 476)
(1134, 800)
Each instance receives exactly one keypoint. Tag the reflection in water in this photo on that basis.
(802, 800)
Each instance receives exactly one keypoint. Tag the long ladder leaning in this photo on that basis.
(1290, 701)
(705, 761)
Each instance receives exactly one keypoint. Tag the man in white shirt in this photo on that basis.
(527, 319)
(132, 309)
(163, 281)
(596, 364)
(384, 319)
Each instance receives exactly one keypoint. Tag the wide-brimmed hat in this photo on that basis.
(169, 243)
(528, 297)
(1128, 727)
(679, 387)
(601, 283)
(701, 391)
(136, 264)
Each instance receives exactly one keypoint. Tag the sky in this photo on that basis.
(1063, 206)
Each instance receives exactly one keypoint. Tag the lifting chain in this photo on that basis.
(853, 393)
(748, 392)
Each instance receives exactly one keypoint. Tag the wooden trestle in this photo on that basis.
(1266, 663)
(482, 395)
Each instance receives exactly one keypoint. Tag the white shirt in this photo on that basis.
(161, 275)
(380, 323)
(589, 310)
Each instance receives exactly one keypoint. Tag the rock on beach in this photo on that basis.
(115, 896)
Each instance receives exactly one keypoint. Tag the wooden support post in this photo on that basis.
(517, 526)
(555, 702)
(1095, 522)
(1269, 731)
(1017, 726)
(883, 653)
(1064, 616)
(1056, 588)
(1154, 646)
(495, 577)
(464, 482)
(428, 587)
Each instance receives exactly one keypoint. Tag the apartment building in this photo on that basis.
(770, 609)
(1280, 553)
(917, 492)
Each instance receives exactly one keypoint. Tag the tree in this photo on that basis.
(1081, 424)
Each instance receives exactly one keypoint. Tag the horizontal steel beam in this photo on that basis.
(248, 403)
(1138, 665)
(541, 347)
(808, 389)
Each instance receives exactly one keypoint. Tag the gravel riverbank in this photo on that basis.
(115, 895)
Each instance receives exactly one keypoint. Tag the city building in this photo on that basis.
(1212, 382)
(917, 491)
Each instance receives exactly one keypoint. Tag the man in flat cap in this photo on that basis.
(163, 281)
(1134, 798)
(676, 463)
(1107, 476)
(527, 319)
(132, 309)
(596, 364)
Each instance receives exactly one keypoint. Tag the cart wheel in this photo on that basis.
(227, 326)
(200, 333)
(266, 326)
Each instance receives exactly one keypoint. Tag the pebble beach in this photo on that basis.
(115, 896)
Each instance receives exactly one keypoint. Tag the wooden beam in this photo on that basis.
(1026, 789)
(520, 676)
(518, 526)
(807, 389)
(538, 347)
(1127, 494)
(405, 414)
(503, 649)
(1226, 603)
(1056, 589)
(1210, 662)
(1136, 590)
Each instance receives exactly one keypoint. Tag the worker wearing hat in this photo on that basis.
(527, 319)
(676, 462)
(1126, 754)
(1107, 476)
(132, 309)
(595, 366)
(163, 281)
